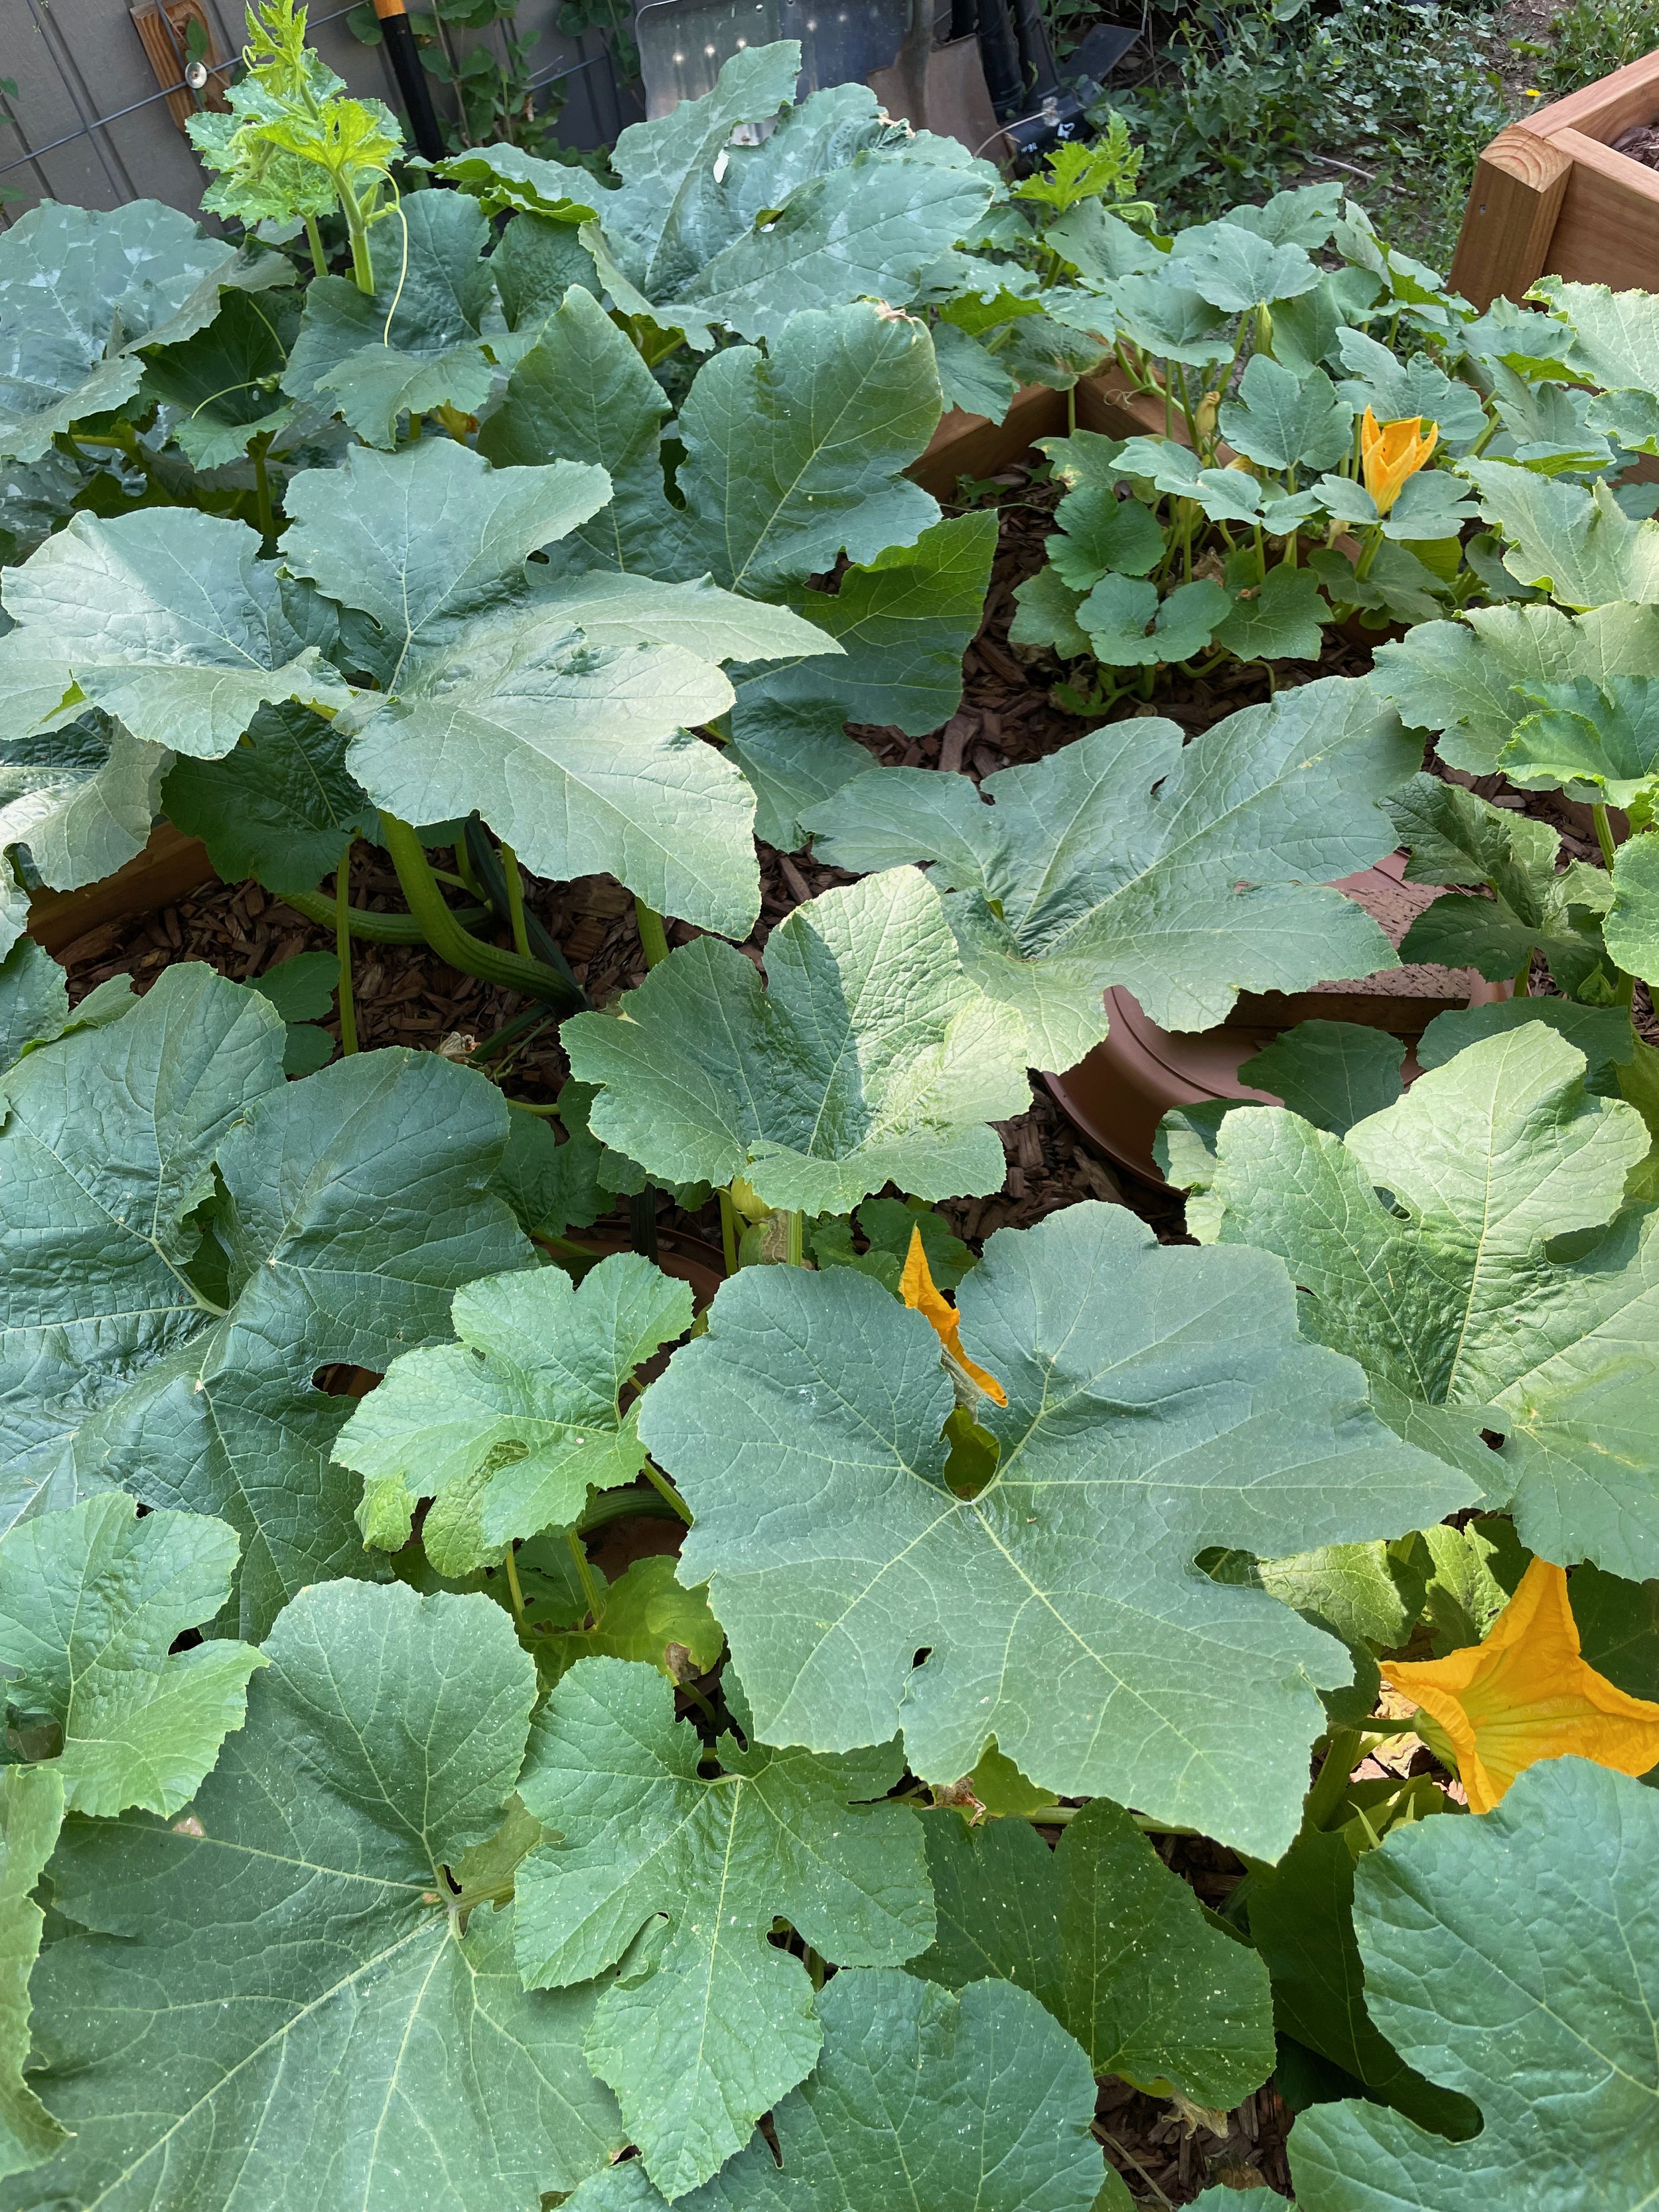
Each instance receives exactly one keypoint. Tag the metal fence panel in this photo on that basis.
(90, 124)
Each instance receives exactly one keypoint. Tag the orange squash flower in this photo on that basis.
(918, 1291)
(1389, 452)
(1526, 1694)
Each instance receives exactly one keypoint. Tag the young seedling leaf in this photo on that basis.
(271, 2001)
(1422, 1244)
(1187, 872)
(868, 1057)
(1494, 2003)
(91, 1600)
(507, 1430)
(709, 2023)
(1115, 1946)
(1060, 1607)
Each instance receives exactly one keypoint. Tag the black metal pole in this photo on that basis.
(406, 59)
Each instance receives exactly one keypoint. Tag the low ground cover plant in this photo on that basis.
(366, 1839)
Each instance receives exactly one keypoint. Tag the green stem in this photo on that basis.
(728, 1232)
(1604, 832)
(315, 240)
(585, 1577)
(362, 264)
(342, 947)
(524, 1106)
(1362, 567)
(513, 1590)
(1523, 976)
(1341, 1757)
(653, 938)
(372, 928)
(664, 1488)
(444, 933)
(795, 1246)
(262, 485)
(514, 900)
(617, 1505)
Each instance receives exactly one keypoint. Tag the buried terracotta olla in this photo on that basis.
(1115, 1097)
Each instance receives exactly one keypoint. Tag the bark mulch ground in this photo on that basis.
(1166, 2150)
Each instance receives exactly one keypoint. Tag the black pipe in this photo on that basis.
(406, 59)
(1001, 58)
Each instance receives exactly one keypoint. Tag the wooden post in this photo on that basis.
(1504, 245)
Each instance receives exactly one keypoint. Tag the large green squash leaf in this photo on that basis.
(961, 2104)
(1187, 872)
(1114, 1945)
(272, 2004)
(222, 382)
(979, 2103)
(414, 342)
(91, 1601)
(709, 2024)
(165, 617)
(81, 291)
(903, 622)
(1301, 1923)
(354, 1205)
(560, 708)
(792, 456)
(837, 204)
(1515, 1958)
(1423, 1242)
(867, 1057)
(1632, 928)
(31, 1814)
(282, 806)
(1573, 540)
(1161, 1402)
(1476, 678)
(1456, 837)
(507, 1430)
(82, 798)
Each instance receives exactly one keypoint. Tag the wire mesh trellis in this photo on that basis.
(88, 123)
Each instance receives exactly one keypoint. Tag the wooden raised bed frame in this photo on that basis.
(1551, 197)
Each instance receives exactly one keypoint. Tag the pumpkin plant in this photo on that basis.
(619, 1754)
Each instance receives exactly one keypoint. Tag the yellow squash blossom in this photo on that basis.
(1389, 452)
(1527, 1694)
(919, 1290)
